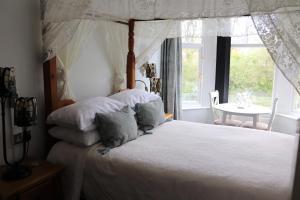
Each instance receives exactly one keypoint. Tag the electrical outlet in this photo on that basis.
(18, 138)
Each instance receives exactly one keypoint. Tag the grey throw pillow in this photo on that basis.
(150, 115)
(117, 128)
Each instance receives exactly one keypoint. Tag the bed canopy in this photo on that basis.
(124, 10)
(67, 24)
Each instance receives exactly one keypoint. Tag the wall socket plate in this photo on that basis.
(18, 138)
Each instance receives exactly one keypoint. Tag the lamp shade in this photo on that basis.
(25, 112)
(7, 81)
(155, 85)
(150, 70)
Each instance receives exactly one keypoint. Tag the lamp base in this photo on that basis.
(17, 172)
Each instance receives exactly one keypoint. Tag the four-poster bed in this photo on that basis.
(53, 102)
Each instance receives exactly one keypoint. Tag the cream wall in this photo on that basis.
(20, 46)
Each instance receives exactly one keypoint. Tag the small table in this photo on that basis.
(43, 183)
(251, 111)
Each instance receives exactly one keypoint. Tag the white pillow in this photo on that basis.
(81, 115)
(134, 96)
(75, 137)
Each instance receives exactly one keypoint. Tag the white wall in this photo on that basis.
(91, 75)
(20, 46)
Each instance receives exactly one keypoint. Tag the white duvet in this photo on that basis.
(184, 161)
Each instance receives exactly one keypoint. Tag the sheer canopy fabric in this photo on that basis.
(69, 54)
(280, 33)
(116, 48)
(276, 21)
(149, 35)
(123, 10)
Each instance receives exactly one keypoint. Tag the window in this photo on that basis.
(191, 73)
(251, 72)
(296, 101)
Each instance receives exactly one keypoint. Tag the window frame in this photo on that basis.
(198, 103)
(274, 89)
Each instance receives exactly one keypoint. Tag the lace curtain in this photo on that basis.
(122, 10)
(149, 35)
(277, 23)
(280, 32)
(116, 49)
(69, 54)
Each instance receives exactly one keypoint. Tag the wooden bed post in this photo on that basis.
(50, 82)
(130, 56)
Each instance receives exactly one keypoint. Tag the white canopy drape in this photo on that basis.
(69, 54)
(276, 21)
(123, 10)
(67, 47)
(280, 33)
(149, 35)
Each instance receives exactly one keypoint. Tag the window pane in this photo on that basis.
(296, 101)
(251, 74)
(190, 75)
(251, 39)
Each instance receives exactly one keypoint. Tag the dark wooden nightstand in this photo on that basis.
(43, 184)
(169, 116)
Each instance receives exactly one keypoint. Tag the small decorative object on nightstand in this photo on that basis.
(44, 183)
(169, 116)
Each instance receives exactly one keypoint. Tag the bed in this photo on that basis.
(183, 160)
(180, 160)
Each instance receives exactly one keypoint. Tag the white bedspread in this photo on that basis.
(185, 160)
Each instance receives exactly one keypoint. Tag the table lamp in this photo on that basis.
(24, 114)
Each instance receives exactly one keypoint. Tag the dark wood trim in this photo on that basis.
(120, 22)
(223, 67)
(131, 56)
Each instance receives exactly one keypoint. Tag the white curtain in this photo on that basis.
(276, 21)
(149, 35)
(69, 54)
(56, 36)
(280, 33)
(115, 36)
(65, 10)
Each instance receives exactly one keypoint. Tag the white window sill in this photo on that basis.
(292, 115)
(193, 107)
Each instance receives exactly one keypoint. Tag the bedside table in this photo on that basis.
(43, 184)
(169, 116)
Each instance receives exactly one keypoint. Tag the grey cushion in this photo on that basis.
(117, 128)
(150, 115)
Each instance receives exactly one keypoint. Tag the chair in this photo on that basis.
(214, 100)
(262, 125)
